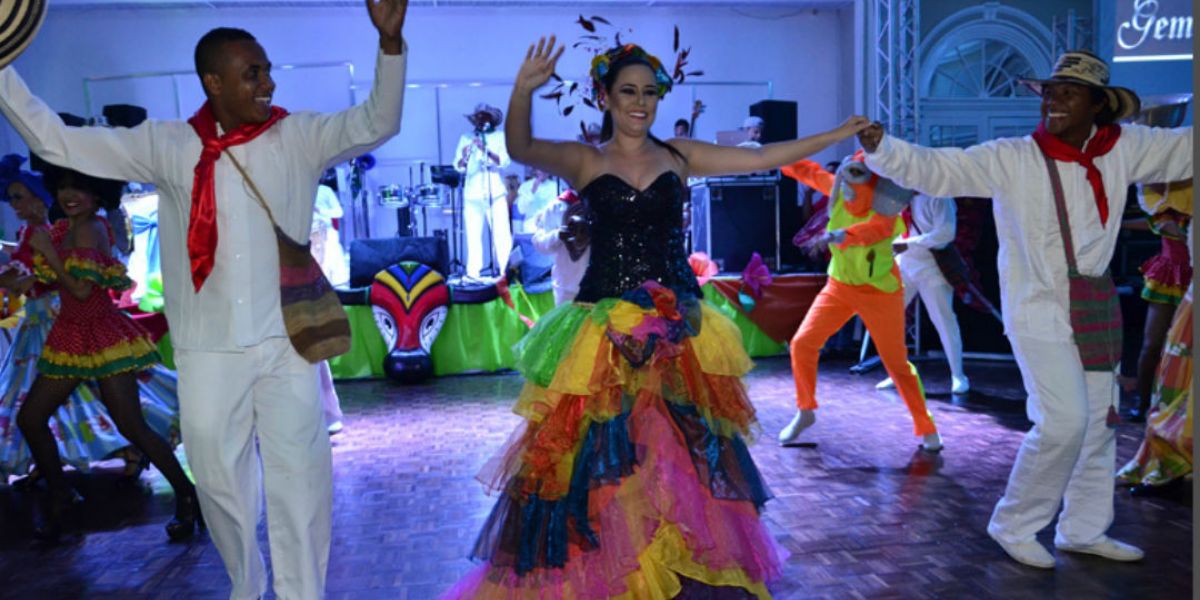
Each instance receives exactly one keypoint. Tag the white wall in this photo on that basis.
(802, 53)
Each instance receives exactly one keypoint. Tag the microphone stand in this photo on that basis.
(487, 177)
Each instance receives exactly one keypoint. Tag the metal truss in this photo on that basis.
(895, 26)
(1072, 33)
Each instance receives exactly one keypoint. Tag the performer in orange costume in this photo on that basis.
(863, 281)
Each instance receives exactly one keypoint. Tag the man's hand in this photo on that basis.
(836, 236)
(871, 136)
(388, 17)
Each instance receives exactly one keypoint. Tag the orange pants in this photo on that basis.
(883, 314)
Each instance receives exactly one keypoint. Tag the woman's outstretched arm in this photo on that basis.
(706, 159)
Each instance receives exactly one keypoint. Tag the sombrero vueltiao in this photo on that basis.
(19, 22)
(1085, 68)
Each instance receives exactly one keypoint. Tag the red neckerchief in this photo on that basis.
(1104, 140)
(202, 224)
(907, 215)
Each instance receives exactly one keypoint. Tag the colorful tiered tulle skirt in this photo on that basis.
(630, 473)
(82, 427)
(1168, 273)
(1166, 451)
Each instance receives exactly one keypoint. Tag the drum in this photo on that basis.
(393, 196)
(431, 195)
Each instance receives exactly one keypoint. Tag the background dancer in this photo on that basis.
(863, 280)
(934, 224)
(91, 339)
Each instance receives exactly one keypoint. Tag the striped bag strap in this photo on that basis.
(254, 188)
(1060, 206)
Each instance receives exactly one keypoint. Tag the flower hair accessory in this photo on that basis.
(604, 61)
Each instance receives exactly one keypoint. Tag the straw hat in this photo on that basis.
(1163, 111)
(19, 22)
(485, 111)
(1085, 68)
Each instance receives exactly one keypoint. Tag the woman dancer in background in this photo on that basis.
(91, 339)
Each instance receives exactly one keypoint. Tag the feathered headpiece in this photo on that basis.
(608, 50)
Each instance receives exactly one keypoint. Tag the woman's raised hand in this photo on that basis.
(853, 125)
(539, 65)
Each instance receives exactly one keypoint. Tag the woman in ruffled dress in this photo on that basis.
(83, 430)
(630, 477)
(91, 340)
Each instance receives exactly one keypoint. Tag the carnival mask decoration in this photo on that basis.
(410, 302)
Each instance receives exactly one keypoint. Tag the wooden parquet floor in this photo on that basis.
(863, 513)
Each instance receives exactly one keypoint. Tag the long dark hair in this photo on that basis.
(606, 126)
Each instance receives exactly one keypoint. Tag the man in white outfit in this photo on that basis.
(933, 226)
(481, 155)
(240, 379)
(535, 195)
(1068, 458)
(552, 237)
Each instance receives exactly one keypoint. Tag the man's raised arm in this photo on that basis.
(343, 135)
(116, 153)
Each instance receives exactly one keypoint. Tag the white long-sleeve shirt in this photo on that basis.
(1011, 171)
(532, 201)
(238, 306)
(482, 174)
(566, 273)
(934, 226)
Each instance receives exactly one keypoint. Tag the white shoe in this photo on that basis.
(886, 384)
(803, 420)
(960, 385)
(932, 442)
(1031, 554)
(1106, 548)
(335, 428)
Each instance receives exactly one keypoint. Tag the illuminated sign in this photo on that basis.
(1150, 30)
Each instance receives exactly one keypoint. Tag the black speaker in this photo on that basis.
(741, 220)
(370, 256)
(779, 119)
(779, 124)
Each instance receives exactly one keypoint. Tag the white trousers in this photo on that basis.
(475, 212)
(938, 298)
(1069, 456)
(227, 400)
(331, 405)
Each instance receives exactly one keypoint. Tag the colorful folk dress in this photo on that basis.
(82, 427)
(630, 477)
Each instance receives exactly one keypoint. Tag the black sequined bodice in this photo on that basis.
(636, 236)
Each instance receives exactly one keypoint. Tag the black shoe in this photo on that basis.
(51, 517)
(187, 520)
(27, 482)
